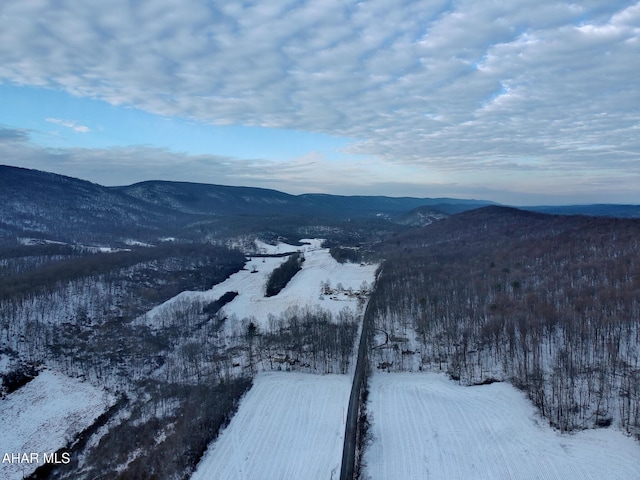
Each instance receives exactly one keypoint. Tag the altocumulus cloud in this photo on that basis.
(17, 149)
(311, 172)
(515, 86)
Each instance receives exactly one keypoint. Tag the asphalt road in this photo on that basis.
(349, 450)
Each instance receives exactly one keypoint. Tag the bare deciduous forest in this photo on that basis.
(80, 313)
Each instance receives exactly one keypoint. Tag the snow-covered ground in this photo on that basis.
(38, 241)
(288, 426)
(426, 426)
(303, 290)
(279, 248)
(5, 362)
(42, 416)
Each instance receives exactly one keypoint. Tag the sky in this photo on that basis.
(520, 102)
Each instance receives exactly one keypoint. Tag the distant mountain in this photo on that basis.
(596, 210)
(205, 199)
(65, 208)
(225, 200)
(56, 207)
(385, 206)
(420, 216)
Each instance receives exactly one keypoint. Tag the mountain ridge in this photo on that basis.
(36, 203)
(40, 204)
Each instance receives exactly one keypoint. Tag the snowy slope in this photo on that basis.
(303, 290)
(289, 426)
(426, 426)
(41, 416)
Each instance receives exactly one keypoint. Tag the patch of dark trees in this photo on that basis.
(17, 377)
(212, 308)
(549, 303)
(364, 435)
(345, 255)
(281, 275)
(44, 250)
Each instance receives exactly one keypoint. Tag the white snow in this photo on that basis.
(426, 426)
(289, 425)
(5, 362)
(136, 243)
(304, 289)
(38, 241)
(266, 248)
(41, 416)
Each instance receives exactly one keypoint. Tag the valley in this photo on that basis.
(495, 342)
(310, 326)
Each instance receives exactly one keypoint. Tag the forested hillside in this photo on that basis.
(81, 314)
(549, 303)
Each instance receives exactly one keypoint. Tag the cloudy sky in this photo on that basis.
(517, 101)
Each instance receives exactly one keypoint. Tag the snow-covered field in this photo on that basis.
(303, 290)
(289, 426)
(426, 426)
(40, 417)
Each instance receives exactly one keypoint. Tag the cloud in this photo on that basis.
(69, 124)
(13, 135)
(454, 87)
(314, 173)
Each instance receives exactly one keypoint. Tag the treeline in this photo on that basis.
(551, 304)
(45, 249)
(281, 275)
(17, 259)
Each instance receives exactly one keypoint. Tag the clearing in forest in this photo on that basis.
(427, 426)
